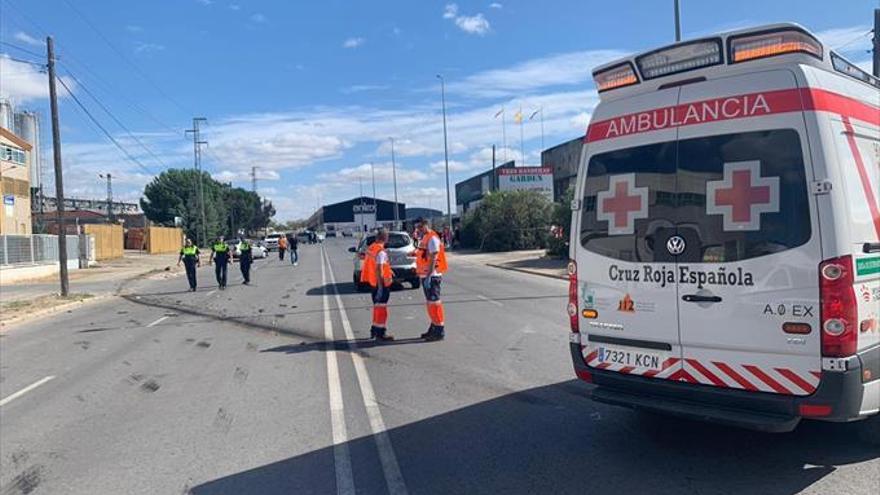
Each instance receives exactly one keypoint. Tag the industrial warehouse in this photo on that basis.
(360, 214)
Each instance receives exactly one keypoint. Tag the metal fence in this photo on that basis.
(36, 249)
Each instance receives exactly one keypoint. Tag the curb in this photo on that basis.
(530, 272)
(36, 315)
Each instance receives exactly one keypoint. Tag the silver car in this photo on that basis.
(399, 247)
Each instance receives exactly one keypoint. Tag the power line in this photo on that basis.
(42, 66)
(23, 50)
(103, 129)
(118, 122)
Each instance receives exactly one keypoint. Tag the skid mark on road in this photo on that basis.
(387, 457)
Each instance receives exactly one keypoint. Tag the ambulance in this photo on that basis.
(725, 241)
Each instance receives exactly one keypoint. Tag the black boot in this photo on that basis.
(380, 334)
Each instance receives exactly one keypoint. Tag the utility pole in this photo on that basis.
(197, 164)
(59, 184)
(394, 179)
(109, 195)
(445, 148)
(677, 22)
(254, 179)
(493, 169)
(876, 68)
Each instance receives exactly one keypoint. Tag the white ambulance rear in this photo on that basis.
(726, 236)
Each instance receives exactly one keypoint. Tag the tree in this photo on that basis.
(508, 220)
(561, 219)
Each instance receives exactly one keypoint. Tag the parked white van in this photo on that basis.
(725, 249)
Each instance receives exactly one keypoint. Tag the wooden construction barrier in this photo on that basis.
(163, 240)
(108, 240)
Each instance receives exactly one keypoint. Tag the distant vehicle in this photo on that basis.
(331, 233)
(747, 295)
(271, 240)
(303, 237)
(257, 251)
(347, 233)
(399, 246)
(320, 235)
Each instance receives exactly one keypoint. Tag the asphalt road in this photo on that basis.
(272, 388)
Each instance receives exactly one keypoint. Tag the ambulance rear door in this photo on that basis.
(748, 292)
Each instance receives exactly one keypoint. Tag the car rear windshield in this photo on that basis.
(730, 197)
(395, 241)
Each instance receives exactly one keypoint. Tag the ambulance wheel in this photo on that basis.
(869, 430)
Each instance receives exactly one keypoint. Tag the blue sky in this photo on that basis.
(311, 92)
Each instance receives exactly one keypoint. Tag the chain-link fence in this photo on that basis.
(36, 249)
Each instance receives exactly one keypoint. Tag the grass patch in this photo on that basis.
(13, 309)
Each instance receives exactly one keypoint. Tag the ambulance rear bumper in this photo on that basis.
(842, 391)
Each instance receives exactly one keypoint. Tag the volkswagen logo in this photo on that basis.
(675, 245)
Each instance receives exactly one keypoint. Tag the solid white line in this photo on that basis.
(209, 293)
(341, 455)
(492, 301)
(160, 320)
(25, 390)
(393, 476)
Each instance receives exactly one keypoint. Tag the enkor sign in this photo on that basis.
(539, 179)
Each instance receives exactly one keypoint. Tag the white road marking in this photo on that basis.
(393, 476)
(160, 320)
(491, 301)
(341, 455)
(25, 390)
(211, 293)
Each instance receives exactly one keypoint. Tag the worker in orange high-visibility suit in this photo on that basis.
(376, 271)
(430, 267)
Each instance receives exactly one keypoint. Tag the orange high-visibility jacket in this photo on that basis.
(368, 270)
(423, 256)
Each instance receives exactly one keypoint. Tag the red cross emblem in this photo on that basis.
(622, 204)
(742, 196)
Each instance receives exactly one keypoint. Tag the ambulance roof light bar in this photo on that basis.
(753, 46)
(680, 58)
(618, 76)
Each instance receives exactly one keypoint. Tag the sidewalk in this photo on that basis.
(534, 261)
(20, 300)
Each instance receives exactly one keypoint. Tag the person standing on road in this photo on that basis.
(245, 258)
(189, 254)
(221, 255)
(293, 245)
(430, 266)
(377, 273)
(282, 246)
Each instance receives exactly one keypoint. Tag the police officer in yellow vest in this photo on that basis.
(189, 254)
(221, 255)
(244, 259)
(430, 266)
(376, 272)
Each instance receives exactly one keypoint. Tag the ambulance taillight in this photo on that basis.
(839, 308)
(615, 77)
(772, 43)
(573, 297)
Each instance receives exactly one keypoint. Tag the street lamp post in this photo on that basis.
(394, 179)
(445, 148)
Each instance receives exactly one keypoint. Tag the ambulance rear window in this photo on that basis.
(731, 197)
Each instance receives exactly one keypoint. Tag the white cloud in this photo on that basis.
(553, 70)
(476, 24)
(242, 144)
(471, 24)
(141, 47)
(28, 39)
(383, 172)
(353, 42)
(234, 6)
(23, 82)
(360, 88)
(132, 28)
(496, 5)
(258, 18)
(205, 2)
(852, 40)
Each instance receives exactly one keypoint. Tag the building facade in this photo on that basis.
(470, 192)
(15, 155)
(356, 215)
(564, 159)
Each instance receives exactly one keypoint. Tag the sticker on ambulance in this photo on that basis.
(742, 196)
(621, 204)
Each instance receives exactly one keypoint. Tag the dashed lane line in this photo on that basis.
(25, 390)
(390, 467)
(160, 320)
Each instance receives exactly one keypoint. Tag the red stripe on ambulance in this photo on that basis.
(863, 174)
